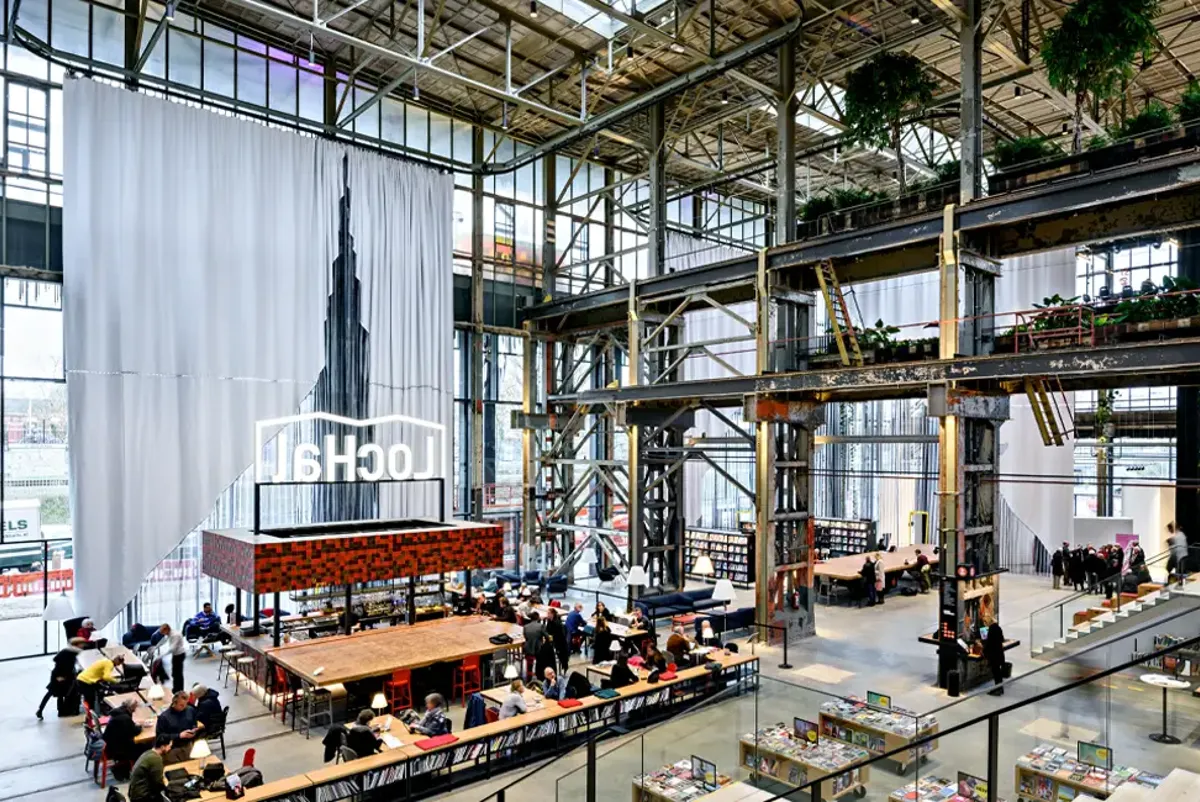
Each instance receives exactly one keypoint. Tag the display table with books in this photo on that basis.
(933, 789)
(776, 753)
(1052, 774)
(877, 730)
(673, 783)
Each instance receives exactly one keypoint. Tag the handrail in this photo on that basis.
(1099, 585)
(498, 794)
(991, 715)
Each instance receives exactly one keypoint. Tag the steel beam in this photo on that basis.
(1187, 418)
(549, 226)
(785, 143)
(970, 137)
(657, 224)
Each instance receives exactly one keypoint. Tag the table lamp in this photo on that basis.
(637, 578)
(378, 703)
(200, 752)
(510, 671)
(156, 693)
(723, 592)
(703, 566)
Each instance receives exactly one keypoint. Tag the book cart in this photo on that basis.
(878, 731)
(775, 753)
(1052, 774)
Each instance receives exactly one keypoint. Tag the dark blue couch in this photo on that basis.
(741, 618)
(669, 604)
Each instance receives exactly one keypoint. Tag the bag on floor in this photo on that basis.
(250, 776)
(114, 795)
(68, 705)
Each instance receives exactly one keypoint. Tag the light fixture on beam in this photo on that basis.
(1016, 90)
(725, 97)
(675, 47)
(914, 16)
(629, 50)
(169, 14)
(533, 9)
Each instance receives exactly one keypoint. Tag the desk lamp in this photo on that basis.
(703, 566)
(379, 703)
(510, 671)
(637, 578)
(724, 593)
(200, 751)
(156, 693)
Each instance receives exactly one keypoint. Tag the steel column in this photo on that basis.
(1187, 419)
(970, 39)
(657, 211)
(475, 395)
(549, 223)
(785, 125)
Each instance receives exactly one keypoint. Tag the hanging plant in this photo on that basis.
(1094, 50)
(880, 95)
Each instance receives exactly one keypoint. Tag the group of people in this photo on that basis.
(1106, 569)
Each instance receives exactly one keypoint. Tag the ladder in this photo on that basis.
(1044, 394)
(839, 315)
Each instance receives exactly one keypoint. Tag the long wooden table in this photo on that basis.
(145, 716)
(849, 568)
(376, 653)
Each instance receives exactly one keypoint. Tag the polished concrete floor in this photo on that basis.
(856, 650)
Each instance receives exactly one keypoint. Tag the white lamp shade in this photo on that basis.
(510, 671)
(616, 646)
(724, 592)
(200, 750)
(156, 693)
(58, 609)
(507, 587)
(379, 702)
(703, 566)
(589, 555)
(637, 577)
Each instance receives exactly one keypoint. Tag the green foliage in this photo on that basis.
(1098, 141)
(881, 93)
(1188, 109)
(1155, 117)
(948, 172)
(817, 207)
(879, 336)
(1020, 150)
(1094, 49)
(839, 199)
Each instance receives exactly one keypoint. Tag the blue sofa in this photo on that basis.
(669, 604)
(739, 619)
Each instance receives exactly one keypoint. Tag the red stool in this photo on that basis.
(467, 678)
(399, 690)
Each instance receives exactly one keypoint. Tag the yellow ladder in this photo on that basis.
(839, 314)
(1049, 415)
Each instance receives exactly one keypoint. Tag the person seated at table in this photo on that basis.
(578, 686)
(360, 738)
(179, 722)
(86, 630)
(602, 639)
(575, 624)
(525, 608)
(603, 612)
(505, 611)
(653, 658)
(119, 735)
(146, 780)
(639, 620)
(204, 622)
(707, 636)
(622, 674)
(103, 670)
(514, 703)
(434, 722)
(208, 705)
(553, 685)
(920, 570)
(679, 645)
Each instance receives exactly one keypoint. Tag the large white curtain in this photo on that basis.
(198, 260)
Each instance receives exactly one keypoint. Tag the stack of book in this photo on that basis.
(1052, 773)
(897, 720)
(672, 782)
(779, 741)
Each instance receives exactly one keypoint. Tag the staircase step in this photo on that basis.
(1132, 793)
(1180, 786)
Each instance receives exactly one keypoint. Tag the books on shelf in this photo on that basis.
(897, 721)
(834, 537)
(778, 747)
(672, 782)
(1041, 771)
(731, 552)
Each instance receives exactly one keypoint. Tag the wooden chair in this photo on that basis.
(467, 679)
(399, 690)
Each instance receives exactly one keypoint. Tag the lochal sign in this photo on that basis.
(416, 451)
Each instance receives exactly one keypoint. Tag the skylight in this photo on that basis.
(599, 21)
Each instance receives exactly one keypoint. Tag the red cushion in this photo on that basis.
(436, 741)
(668, 675)
(569, 703)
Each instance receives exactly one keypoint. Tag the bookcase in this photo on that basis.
(731, 552)
(834, 537)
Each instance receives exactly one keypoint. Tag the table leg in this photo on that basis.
(1163, 737)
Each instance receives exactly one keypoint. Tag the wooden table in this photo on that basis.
(145, 716)
(849, 568)
(271, 790)
(375, 653)
(88, 656)
(494, 697)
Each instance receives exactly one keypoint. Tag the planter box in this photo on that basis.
(1091, 160)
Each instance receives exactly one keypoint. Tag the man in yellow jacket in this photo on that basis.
(103, 670)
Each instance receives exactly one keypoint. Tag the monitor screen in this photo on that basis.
(972, 787)
(879, 700)
(806, 731)
(1096, 755)
(705, 771)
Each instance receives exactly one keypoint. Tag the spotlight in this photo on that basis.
(629, 50)
(675, 47)
(1017, 90)
(312, 54)
(725, 97)
(533, 12)
(170, 12)
(1066, 129)
(914, 16)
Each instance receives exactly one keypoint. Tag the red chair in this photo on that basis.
(248, 758)
(399, 690)
(467, 679)
(491, 714)
(283, 695)
(100, 768)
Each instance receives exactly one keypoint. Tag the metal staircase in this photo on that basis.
(839, 315)
(1044, 394)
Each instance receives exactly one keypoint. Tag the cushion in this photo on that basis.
(706, 604)
(667, 675)
(699, 595)
(570, 703)
(436, 741)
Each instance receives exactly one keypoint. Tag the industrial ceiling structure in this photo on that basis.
(575, 75)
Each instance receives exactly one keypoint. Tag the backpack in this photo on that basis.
(250, 776)
(114, 795)
(93, 747)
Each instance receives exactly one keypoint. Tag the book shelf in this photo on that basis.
(1051, 774)
(852, 721)
(731, 552)
(774, 753)
(834, 537)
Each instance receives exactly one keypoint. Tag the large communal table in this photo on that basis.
(849, 568)
(381, 652)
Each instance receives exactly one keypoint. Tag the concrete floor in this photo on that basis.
(856, 650)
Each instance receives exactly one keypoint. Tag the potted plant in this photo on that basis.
(1155, 122)
(1011, 158)
(1188, 110)
(880, 95)
(1093, 51)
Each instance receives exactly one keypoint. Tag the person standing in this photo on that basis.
(993, 650)
(62, 679)
(103, 670)
(1178, 544)
(558, 634)
(868, 578)
(172, 643)
(1058, 566)
(880, 579)
(534, 633)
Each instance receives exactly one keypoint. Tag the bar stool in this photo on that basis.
(399, 690)
(467, 679)
(228, 655)
(243, 668)
(316, 703)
